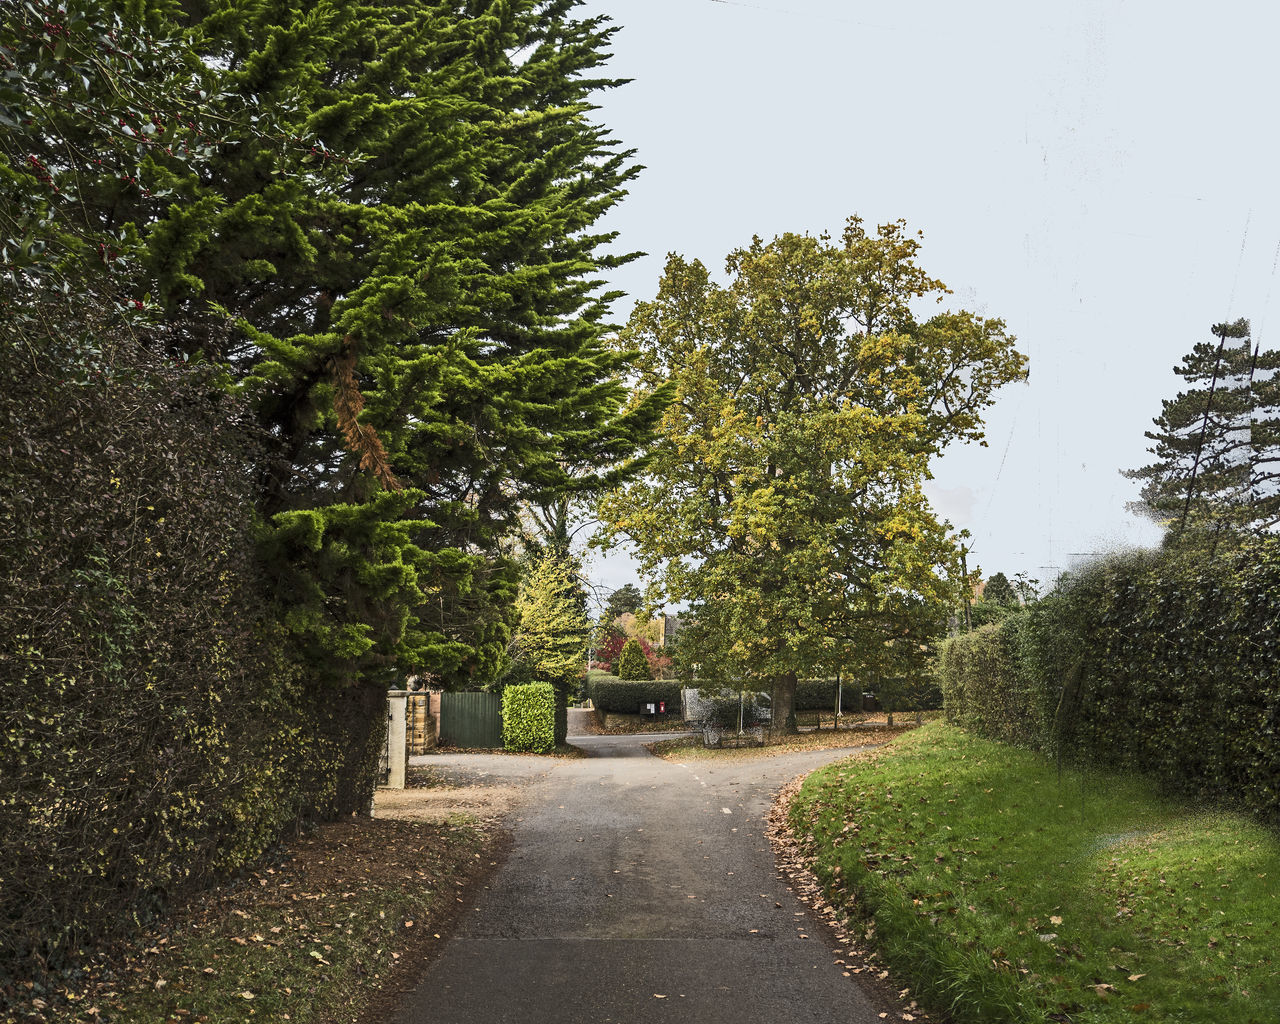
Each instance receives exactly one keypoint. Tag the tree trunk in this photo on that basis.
(784, 705)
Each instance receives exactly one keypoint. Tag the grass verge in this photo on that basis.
(328, 934)
(691, 748)
(1003, 892)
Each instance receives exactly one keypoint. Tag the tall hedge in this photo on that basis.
(1156, 663)
(157, 730)
(529, 718)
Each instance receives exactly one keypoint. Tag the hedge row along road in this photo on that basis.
(639, 890)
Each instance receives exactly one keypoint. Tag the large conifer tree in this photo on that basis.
(417, 304)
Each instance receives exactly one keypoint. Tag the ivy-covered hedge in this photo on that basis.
(624, 696)
(1155, 663)
(529, 718)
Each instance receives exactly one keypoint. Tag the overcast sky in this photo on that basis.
(1101, 175)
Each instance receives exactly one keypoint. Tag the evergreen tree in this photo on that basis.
(550, 642)
(415, 302)
(999, 590)
(1217, 443)
(632, 664)
(627, 598)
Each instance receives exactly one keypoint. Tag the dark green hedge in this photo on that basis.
(158, 730)
(820, 695)
(624, 696)
(1149, 662)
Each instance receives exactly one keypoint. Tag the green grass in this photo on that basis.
(1003, 892)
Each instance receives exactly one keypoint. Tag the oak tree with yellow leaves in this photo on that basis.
(785, 503)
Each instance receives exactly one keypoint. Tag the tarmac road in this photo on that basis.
(637, 890)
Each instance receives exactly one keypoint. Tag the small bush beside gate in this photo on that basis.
(529, 718)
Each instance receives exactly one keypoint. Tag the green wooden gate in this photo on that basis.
(471, 719)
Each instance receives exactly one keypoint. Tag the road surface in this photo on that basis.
(637, 890)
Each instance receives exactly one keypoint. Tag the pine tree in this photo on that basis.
(1217, 443)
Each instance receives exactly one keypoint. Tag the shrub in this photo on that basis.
(624, 696)
(632, 664)
(159, 731)
(986, 686)
(1145, 662)
(529, 718)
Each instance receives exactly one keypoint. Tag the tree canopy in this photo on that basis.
(999, 590)
(307, 301)
(379, 219)
(784, 501)
(627, 598)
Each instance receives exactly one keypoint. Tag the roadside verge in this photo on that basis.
(1006, 891)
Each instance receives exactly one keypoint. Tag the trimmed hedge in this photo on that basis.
(156, 730)
(624, 696)
(820, 695)
(987, 687)
(529, 718)
(1146, 662)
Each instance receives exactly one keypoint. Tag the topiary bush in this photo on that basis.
(632, 664)
(529, 718)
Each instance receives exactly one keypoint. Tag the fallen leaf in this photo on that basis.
(1136, 977)
(246, 994)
